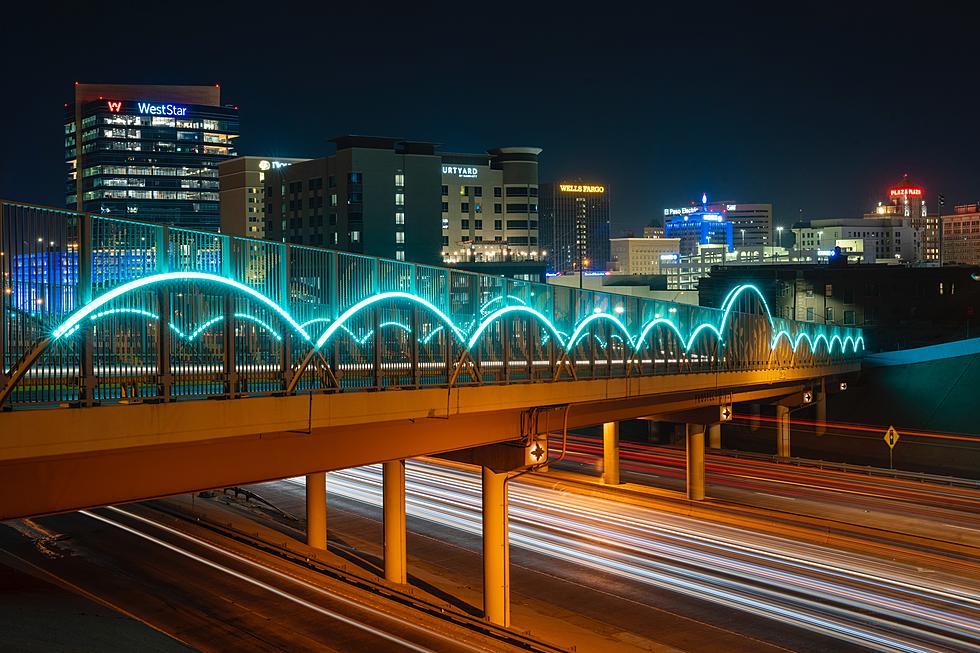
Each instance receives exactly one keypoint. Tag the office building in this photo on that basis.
(700, 226)
(574, 225)
(907, 200)
(148, 152)
(490, 207)
(241, 183)
(642, 255)
(961, 235)
(877, 239)
(653, 232)
(751, 223)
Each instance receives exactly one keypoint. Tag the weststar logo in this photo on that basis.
(115, 107)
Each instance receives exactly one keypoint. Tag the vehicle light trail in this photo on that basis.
(864, 599)
(346, 619)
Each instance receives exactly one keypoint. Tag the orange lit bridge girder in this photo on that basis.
(62, 460)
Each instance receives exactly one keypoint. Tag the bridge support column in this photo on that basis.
(821, 402)
(782, 431)
(714, 435)
(756, 410)
(316, 510)
(610, 453)
(496, 548)
(695, 462)
(396, 566)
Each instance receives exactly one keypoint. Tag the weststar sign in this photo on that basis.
(150, 108)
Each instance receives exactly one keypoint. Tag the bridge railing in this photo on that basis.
(100, 309)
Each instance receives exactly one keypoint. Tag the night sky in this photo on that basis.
(818, 114)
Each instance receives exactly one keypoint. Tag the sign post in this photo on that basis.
(891, 438)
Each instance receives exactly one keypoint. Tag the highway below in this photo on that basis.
(210, 592)
(930, 509)
(796, 585)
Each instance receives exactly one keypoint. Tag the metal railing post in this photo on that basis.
(164, 372)
(286, 359)
(228, 331)
(86, 356)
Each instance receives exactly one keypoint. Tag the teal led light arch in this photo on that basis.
(189, 337)
(75, 318)
(98, 309)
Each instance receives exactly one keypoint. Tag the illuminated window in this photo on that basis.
(400, 199)
(400, 237)
(400, 255)
(399, 179)
(399, 218)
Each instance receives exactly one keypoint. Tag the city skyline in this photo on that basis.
(656, 120)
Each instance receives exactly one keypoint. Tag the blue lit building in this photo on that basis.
(148, 152)
(699, 227)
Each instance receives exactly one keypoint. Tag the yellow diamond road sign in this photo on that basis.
(891, 437)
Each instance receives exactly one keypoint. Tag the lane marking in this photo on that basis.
(254, 581)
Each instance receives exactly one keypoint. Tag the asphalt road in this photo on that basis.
(872, 600)
(215, 595)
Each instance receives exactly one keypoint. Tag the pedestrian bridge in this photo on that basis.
(140, 360)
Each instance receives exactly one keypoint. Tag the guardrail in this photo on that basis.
(99, 309)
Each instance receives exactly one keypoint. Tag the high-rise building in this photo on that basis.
(242, 188)
(907, 200)
(751, 223)
(574, 225)
(148, 152)
(699, 227)
(490, 206)
(961, 235)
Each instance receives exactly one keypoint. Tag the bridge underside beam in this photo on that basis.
(114, 454)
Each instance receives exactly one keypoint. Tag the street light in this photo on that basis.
(779, 236)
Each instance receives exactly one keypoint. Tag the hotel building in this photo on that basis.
(241, 183)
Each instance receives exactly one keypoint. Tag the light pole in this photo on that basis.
(584, 263)
(779, 236)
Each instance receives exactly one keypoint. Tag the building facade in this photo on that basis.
(701, 227)
(961, 235)
(377, 196)
(148, 152)
(241, 183)
(875, 239)
(907, 201)
(490, 206)
(574, 225)
(642, 255)
(899, 307)
(751, 223)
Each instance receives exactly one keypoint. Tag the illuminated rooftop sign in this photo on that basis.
(581, 188)
(470, 172)
(905, 192)
(684, 211)
(150, 108)
(266, 165)
(161, 109)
